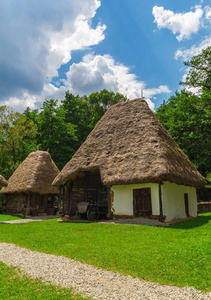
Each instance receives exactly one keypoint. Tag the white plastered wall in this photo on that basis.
(123, 198)
(172, 199)
(174, 203)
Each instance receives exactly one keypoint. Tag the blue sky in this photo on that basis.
(48, 47)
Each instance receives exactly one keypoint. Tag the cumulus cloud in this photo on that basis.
(93, 73)
(97, 72)
(186, 54)
(27, 99)
(62, 43)
(183, 24)
(37, 37)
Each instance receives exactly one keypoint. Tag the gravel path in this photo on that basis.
(91, 281)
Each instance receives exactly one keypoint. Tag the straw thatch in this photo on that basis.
(3, 181)
(129, 145)
(34, 175)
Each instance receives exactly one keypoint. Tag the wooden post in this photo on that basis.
(86, 179)
(59, 199)
(63, 200)
(109, 215)
(160, 202)
(70, 196)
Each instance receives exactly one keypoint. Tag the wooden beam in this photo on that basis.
(109, 215)
(160, 202)
(59, 199)
(69, 196)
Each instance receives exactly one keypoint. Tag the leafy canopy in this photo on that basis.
(58, 128)
(200, 70)
(187, 116)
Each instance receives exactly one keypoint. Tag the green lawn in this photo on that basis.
(15, 285)
(4, 218)
(177, 255)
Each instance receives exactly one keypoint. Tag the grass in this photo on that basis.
(4, 218)
(178, 255)
(16, 285)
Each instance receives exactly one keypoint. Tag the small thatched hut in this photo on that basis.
(29, 189)
(3, 181)
(132, 162)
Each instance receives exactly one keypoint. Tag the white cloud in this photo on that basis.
(27, 99)
(208, 13)
(37, 37)
(20, 104)
(94, 73)
(187, 54)
(155, 91)
(63, 43)
(183, 24)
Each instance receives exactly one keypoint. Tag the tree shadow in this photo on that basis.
(192, 223)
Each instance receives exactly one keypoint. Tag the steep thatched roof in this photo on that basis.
(3, 181)
(34, 175)
(129, 145)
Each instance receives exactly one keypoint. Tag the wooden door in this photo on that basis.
(142, 202)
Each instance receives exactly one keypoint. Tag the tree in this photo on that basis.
(187, 118)
(63, 128)
(77, 112)
(17, 139)
(100, 101)
(200, 70)
(55, 134)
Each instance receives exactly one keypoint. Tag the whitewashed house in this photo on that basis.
(131, 162)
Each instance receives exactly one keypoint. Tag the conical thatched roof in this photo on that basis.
(3, 181)
(129, 145)
(34, 175)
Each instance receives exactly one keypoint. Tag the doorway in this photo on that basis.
(186, 205)
(142, 206)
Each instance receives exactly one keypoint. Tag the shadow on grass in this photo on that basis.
(76, 222)
(193, 223)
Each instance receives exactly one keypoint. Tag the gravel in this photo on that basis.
(89, 280)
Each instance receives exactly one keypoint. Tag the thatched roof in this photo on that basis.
(3, 181)
(34, 175)
(129, 145)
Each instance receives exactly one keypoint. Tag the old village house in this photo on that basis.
(130, 161)
(29, 189)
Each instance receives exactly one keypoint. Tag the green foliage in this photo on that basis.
(176, 255)
(55, 134)
(77, 112)
(100, 102)
(187, 118)
(15, 285)
(17, 139)
(200, 70)
(57, 128)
